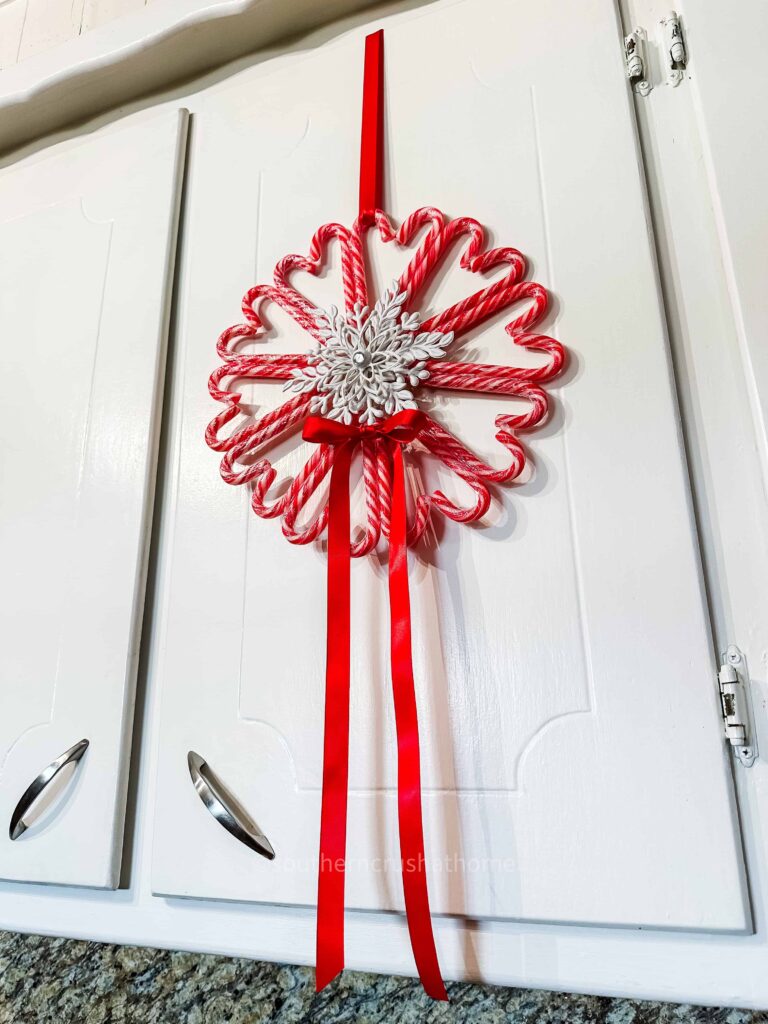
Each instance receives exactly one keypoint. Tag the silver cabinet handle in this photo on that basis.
(18, 826)
(225, 808)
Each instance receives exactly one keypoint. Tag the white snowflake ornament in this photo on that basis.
(369, 361)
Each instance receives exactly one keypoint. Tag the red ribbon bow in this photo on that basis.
(399, 430)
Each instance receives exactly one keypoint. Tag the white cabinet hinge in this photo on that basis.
(735, 700)
(669, 57)
(675, 53)
(636, 61)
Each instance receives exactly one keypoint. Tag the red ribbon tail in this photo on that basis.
(408, 762)
(333, 818)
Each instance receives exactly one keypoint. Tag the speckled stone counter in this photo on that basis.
(62, 981)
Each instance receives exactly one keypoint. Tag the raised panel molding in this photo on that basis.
(53, 265)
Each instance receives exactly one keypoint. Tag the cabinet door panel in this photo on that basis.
(573, 763)
(87, 237)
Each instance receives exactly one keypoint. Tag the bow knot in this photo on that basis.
(402, 428)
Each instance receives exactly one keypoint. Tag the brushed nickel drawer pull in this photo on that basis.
(72, 756)
(225, 808)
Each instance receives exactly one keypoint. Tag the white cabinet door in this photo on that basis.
(573, 763)
(737, 163)
(87, 240)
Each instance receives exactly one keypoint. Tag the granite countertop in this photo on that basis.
(63, 981)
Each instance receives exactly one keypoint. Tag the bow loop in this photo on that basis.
(402, 428)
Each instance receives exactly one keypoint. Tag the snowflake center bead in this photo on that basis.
(369, 362)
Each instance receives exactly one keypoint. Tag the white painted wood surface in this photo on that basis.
(715, 386)
(566, 677)
(143, 51)
(735, 152)
(11, 24)
(28, 27)
(87, 240)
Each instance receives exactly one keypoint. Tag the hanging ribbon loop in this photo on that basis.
(372, 129)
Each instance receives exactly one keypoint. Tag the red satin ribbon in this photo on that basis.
(372, 131)
(399, 430)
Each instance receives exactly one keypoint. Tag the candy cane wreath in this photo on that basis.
(238, 465)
